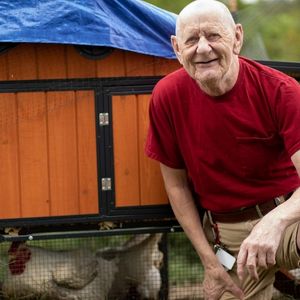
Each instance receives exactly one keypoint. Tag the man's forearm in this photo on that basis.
(288, 212)
(187, 215)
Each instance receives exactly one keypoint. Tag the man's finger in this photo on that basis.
(241, 262)
(270, 258)
(262, 259)
(251, 264)
(252, 270)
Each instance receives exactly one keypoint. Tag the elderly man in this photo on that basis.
(226, 131)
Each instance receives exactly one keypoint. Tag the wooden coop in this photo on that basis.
(72, 135)
(73, 122)
(74, 95)
(75, 85)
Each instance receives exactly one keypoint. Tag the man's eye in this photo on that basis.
(213, 36)
(191, 41)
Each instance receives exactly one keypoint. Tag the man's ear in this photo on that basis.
(238, 39)
(176, 47)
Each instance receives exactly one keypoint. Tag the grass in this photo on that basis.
(184, 263)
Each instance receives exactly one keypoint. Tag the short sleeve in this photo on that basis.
(288, 114)
(162, 144)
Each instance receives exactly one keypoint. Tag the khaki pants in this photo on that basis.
(233, 234)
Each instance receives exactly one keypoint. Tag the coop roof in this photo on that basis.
(132, 25)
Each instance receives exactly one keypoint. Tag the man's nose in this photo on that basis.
(203, 45)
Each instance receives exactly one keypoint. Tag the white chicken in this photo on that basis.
(138, 267)
(82, 274)
(62, 275)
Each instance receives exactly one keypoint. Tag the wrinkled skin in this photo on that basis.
(207, 45)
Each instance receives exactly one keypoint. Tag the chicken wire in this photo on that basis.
(139, 266)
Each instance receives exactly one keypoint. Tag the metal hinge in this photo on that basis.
(106, 184)
(104, 119)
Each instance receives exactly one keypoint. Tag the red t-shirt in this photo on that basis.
(236, 148)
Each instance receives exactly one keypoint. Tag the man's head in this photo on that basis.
(207, 44)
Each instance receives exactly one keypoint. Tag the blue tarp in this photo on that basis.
(132, 25)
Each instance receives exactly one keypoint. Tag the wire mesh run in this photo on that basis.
(131, 266)
(139, 266)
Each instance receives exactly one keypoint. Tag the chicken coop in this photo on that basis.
(83, 212)
(74, 92)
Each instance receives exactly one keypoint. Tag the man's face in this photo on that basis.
(205, 47)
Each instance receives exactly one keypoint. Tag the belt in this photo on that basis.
(248, 213)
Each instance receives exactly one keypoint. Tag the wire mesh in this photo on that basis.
(130, 266)
(139, 266)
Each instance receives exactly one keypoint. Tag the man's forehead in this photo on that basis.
(200, 11)
(205, 25)
(201, 22)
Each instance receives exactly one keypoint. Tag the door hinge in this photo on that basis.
(106, 184)
(104, 119)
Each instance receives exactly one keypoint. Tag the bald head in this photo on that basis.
(211, 7)
(207, 44)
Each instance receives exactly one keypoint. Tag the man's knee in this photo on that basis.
(288, 254)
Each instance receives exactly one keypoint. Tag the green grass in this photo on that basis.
(184, 263)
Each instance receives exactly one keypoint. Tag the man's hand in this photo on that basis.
(216, 282)
(259, 248)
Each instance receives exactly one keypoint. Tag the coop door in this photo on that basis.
(135, 180)
(47, 153)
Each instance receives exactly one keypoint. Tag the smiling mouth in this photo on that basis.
(207, 62)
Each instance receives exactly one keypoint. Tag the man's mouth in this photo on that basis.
(206, 61)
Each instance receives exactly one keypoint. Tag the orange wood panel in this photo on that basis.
(139, 64)
(22, 62)
(32, 132)
(3, 67)
(163, 66)
(112, 65)
(63, 153)
(151, 183)
(79, 66)
(125, 141)
(51, 61)
(88, 186)
(9, 173)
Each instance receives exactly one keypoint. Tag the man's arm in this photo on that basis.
(260, 247)
(216, 279)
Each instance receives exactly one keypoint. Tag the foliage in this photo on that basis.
(271, 27)
(170, 5)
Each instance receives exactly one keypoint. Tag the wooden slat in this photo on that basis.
(151, 183)
(32, 134)
(113, 65)
(163, 66)
(51, 61)
(9, 173)
(125, 150)
(63, 158)
(22, 62)
(79, 66)
(139, 64)
(88, 187)
(3, 67)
